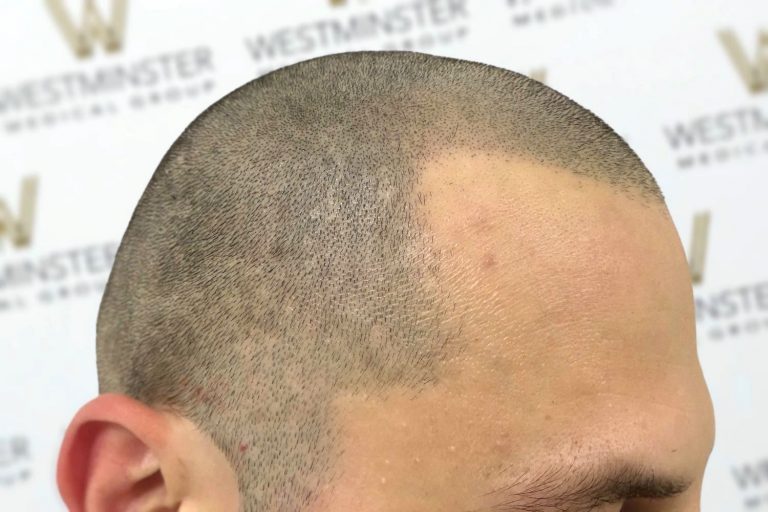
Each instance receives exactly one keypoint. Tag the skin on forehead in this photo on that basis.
(578, 324)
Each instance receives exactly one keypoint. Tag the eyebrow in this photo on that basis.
(582, 488)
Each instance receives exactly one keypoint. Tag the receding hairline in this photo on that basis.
(578, 140)
(518, 172)
(283, 222)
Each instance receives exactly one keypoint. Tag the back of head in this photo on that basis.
(279, 255)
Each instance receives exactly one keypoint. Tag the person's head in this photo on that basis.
(394, 282)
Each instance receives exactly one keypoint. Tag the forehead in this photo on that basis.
(544, 263)
(577, 320)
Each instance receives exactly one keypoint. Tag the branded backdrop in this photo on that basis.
(92, 93)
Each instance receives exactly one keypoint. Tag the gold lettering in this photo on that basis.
(698, 252)
(19, 230)
(754, 73)
(93, 28)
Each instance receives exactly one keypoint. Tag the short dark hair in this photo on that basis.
(279, 255)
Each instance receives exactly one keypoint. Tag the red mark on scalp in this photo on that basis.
(243, 447)
(488, 261)
(481, 221)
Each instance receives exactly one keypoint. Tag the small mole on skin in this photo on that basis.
(488, 261)
(547, 417)
(243, 447)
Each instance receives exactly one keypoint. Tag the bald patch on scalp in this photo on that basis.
(565, 242)
(483, 205)
(568, 248)
(281, 254)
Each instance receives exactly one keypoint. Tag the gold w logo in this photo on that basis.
(19, 229)
(93, 28)
(754, 72)
(698, 250)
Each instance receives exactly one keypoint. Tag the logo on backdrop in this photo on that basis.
(753, 69)
(15, 460)
(45, 278)
(752, 479)
(526, 13)
(94, 29)
(733, 312)
(86, 92)
(729, 313)
(698, 250)
(736, 133)
(422, 25)
(55, 277)
(16, 227)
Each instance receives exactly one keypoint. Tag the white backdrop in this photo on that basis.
(684, 81)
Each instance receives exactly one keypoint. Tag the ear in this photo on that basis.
(115, 457)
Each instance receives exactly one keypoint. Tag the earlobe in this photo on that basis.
(109, 459)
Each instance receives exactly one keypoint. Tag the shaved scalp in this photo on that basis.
(280, 257)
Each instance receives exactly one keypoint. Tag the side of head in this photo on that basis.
(352, 284)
